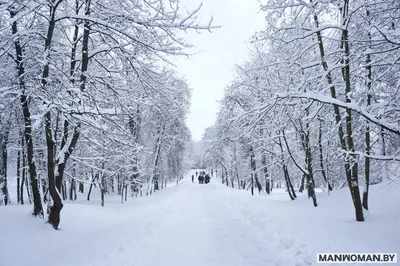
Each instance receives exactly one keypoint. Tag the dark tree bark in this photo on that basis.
(253, 166)
(55, 209)
(266, 174)
(67, 150)
(321, 156)
(102, 184)
(64, 190)
(23, 170)
(352, 164)
(134, 127)
(28, 190)
(368, 69)
(24, 99)
(303, 178)
(3, 163)
(72, 189)
(156, 171)
(94, 177)
(19, 175)
(252, 184)
(289, 186)
(310, 175)
(82, 187)
(126, 193)
(306, 174)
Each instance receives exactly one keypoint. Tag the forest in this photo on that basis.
(316, 105)
(88, 96)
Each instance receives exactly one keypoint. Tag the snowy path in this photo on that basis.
(199, 225)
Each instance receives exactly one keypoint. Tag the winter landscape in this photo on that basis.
(167, 132)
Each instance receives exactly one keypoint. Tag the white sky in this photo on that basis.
(210, 71)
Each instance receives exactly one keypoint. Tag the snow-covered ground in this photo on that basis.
(201, 225)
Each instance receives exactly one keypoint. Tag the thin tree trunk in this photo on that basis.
(368, 69)
(71, 189)
(24, 99)
(64, 190)
(252, 184)
(156, 171)
(102, 184)
(126, 192)
(28, 190)
(351, 170)
(254, 169)
(23, 169)
(321, 156)
(266, 174)
(289, 186)
(310, 175)
(94, 177)
(3, 164)
(352, 165)
(382, 139)
(19, 175)
(303, 178)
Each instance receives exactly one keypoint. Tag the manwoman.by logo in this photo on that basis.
(357, 258)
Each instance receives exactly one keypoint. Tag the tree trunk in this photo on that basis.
(126, 192)
(23, 169)
(24, 99)
(351, 171)
(71, 191)
(254, 169)
(321, 156)
(368, 69)
(352, 164)
(156, 170)
(19, 175)
(301, 188)
(3, 164)
(310, 175)
(94, 177)
(289, 186)
(252, 184)
(102, 184)
(64, 190)
(28, 190)
(266, 174)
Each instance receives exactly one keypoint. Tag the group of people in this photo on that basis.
(203, 177)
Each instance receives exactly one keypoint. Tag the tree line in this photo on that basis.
(317, 104)
(88, 96)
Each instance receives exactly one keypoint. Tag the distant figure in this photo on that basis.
(201, 179)
(192, 178)
(196, 173)
(212, 172)
(207, 178)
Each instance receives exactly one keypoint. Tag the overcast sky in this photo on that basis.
(210, 71)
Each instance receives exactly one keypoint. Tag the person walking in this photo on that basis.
(201, 179)
(207, 178)
(192, 178)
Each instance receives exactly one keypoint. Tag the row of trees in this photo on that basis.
(87, 96)
(318, 102)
